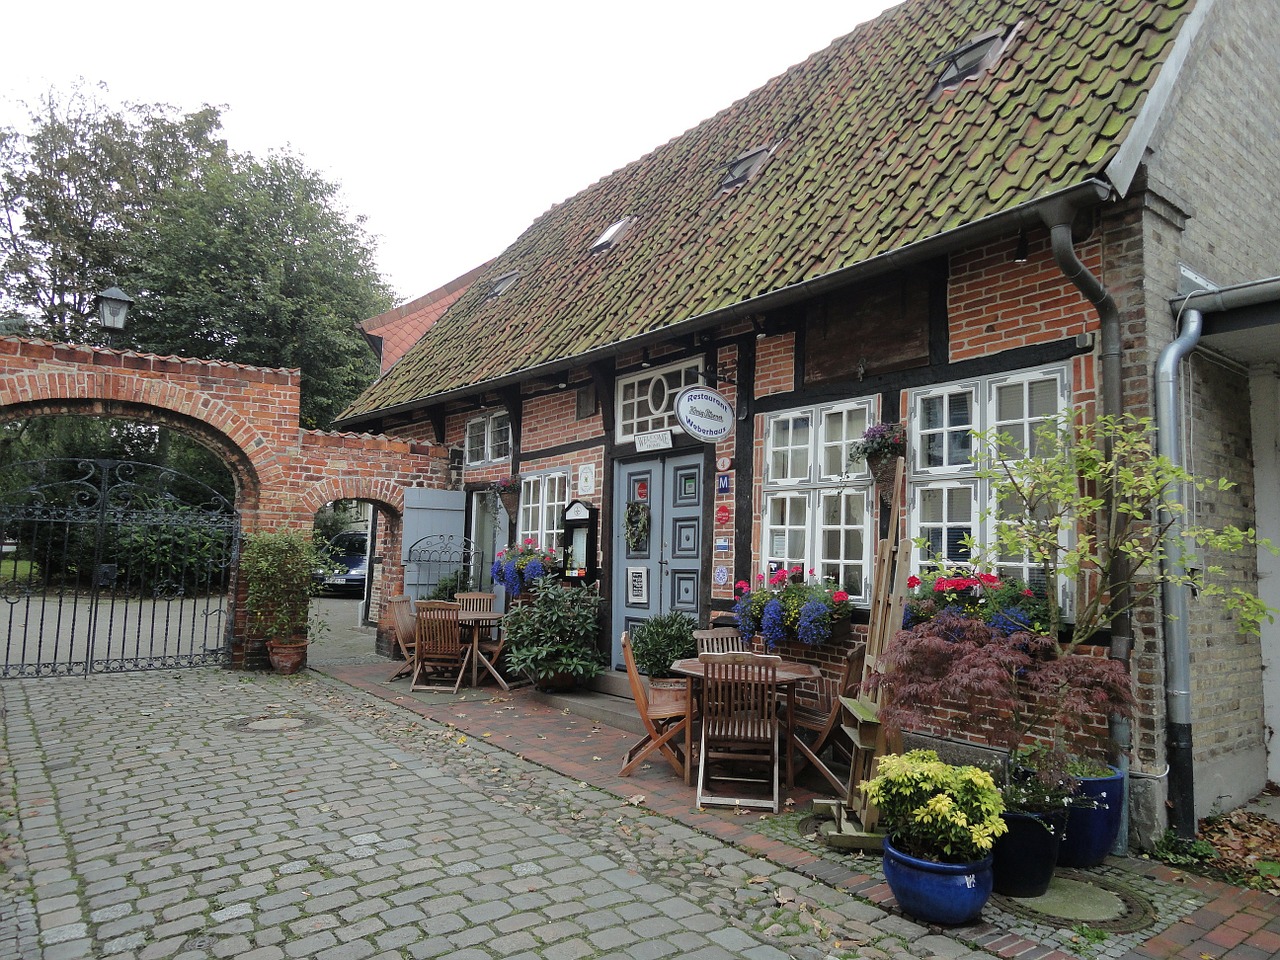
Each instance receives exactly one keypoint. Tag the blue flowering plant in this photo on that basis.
(518, 568)
(1008, 606)
(788, 608)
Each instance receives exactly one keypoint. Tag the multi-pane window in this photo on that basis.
(647, 401)
(948, 502)
(542, 502)
(489, 438)
(817, 505)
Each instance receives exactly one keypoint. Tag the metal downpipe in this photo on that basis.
(1058, 216)
(1177, 643)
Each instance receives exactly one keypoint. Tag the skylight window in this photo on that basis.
(744, 168)
(612, 235)
(972, 58)
(502, 284)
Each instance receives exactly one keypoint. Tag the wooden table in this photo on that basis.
(474, 622)
(790, 672)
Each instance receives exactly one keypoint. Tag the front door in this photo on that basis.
(659, 569)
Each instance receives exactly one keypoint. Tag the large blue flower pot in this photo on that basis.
(1092, 829)
(941, 893)
(1026, 855)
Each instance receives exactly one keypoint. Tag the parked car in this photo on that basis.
(350, 554)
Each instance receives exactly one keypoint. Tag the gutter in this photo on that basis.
(1089, 193)
(1058, 216)
(1173, 596)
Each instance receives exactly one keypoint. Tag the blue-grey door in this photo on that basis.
(662, 571)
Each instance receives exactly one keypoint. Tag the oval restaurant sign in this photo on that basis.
(704, 414)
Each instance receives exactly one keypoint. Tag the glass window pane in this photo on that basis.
(959, 505)
(960, 410)
(959, 448)
(931, 413)
(931, 506)
(1043, 398)
(1009, 401)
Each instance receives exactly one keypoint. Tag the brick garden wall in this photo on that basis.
(283, 474)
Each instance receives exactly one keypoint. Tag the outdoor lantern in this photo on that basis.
(113, 306)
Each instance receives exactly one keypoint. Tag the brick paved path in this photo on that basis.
(193, 814)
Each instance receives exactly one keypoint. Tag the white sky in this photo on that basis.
(449, 126)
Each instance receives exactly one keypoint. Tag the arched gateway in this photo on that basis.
(249, 417)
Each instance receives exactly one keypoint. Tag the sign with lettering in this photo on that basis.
(723, 485)
(657, 440)
(704, 413)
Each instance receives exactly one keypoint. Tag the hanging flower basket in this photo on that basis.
(508, 491)
(883, 468)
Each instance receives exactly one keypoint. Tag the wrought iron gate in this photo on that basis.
(441, 565)
(110, 565)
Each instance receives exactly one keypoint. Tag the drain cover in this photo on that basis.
(1075, 897)
(275, 722)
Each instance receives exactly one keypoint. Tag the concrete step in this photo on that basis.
(594, 703)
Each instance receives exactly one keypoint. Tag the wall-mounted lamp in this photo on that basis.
(758, 327)
(1021, 253)
(644, 359)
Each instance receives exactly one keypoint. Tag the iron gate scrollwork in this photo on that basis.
(440, 565)
(112, 565)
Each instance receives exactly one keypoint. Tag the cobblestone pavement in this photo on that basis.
(201, 813)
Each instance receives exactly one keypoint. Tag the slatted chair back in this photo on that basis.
(440, 650)
(719, 640)
(476, 601)
(662, 725)
(406, 631)
(739, 725)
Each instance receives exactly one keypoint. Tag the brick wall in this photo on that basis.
(249, 415)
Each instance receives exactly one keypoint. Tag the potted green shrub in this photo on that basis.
(281, 571)
(552, 638)
(941, 821)
(659, 642)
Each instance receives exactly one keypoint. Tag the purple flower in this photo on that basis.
(773, 625)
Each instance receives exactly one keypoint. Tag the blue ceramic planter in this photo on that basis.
(942, 893)
(1092, 831)
(1026, 855)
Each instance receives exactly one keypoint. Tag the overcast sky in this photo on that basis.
(450, 127)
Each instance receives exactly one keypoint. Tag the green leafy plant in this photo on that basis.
(661, 640)
(1054, 490)
(279, 573)
(555, 632)
(879, 440)
(934, 810)
(1179, 852)
(635, 523)
(449, 586)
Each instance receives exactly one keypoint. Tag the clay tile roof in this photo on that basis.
(401, 328)
(863, 164)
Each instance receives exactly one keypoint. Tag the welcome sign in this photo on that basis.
(704, 414)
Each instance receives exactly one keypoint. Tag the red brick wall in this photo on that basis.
(248, 414)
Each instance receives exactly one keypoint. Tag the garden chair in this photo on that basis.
(490, 648)
(739, 728)
(440, 650)
(719, 640)
(406, 632)
(822, 720)
(664, 726)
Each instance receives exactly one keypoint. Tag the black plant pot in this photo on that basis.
(1024, 857)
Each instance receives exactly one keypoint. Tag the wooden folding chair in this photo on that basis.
(406, 628)
(491, 647)
(664, 726)
(823, 720)
(719, 640)
(440, 649)
(739, 727)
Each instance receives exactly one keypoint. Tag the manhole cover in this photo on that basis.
(275, 722)
(1074, 897)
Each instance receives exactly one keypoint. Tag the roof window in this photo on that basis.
(744, 168)
(972, 58)
(502, 284)
(612, 235)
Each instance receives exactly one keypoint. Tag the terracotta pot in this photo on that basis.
(668, 693)
(287, 658)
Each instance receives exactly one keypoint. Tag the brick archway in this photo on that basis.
(248, 415)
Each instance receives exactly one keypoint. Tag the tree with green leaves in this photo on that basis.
(228, 256)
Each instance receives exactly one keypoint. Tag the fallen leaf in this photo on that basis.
(636, 799)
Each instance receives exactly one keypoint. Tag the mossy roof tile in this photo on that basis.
(864, 162)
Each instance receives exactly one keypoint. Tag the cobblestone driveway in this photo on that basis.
(201, 813)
